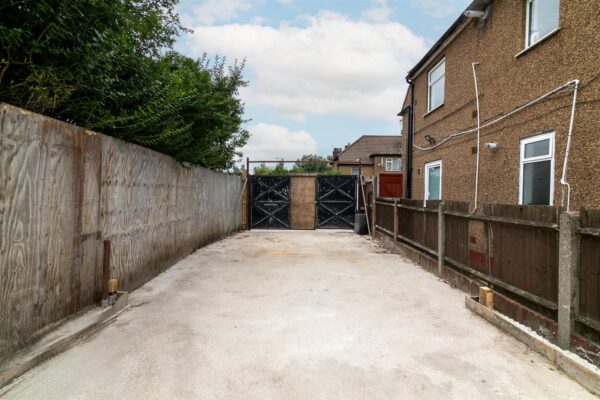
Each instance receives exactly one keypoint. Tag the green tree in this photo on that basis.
(312, 163)
(106, 65)
(263, 169)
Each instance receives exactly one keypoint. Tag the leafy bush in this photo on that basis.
(263, 169)
(107, 66)
(312, 164)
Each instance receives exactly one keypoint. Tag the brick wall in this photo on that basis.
(507, 81)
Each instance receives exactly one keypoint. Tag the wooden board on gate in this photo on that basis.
(302, 207)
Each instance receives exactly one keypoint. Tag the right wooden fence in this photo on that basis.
(515, 249)
(589, 273)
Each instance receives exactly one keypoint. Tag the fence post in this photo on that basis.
(441, 238)
(244, 202)
(374, 206)
(248, 195)
(568, 273)
(395, 219)
(105, 272)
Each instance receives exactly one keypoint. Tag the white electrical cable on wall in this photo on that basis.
(502, 117)
(478, 135)
(563, 178)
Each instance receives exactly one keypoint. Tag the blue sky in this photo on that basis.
(322, 73)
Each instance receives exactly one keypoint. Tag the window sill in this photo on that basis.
(432, 110)
(543, 39)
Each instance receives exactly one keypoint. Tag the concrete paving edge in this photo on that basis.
(575, 367)
(9, 375)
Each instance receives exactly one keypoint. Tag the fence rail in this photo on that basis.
(515, 248)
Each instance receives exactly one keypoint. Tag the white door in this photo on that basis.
(433, 181)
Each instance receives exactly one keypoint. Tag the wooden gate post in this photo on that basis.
(441, 253)
(248, 195)
(568, 277)
(244, 202)
(395, 219)
(374, 183)
(105, 272)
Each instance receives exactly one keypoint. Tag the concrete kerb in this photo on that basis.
(575, 367)
(33, 358)
(578, 369)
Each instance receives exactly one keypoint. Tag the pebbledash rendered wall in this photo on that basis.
(64, 190)
(509, 77)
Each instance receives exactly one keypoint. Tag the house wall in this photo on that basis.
(505, 82)
(379, 165)
(64, 190)
(366, 170)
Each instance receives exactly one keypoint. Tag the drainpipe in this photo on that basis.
(409, 140)
(478, 135)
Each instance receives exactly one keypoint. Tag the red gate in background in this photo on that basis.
(390, 185)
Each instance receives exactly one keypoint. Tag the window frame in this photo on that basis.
(430, 84)
(528, 44)
(352, 169)
(529, 160)
(391, 160)
(427, 166)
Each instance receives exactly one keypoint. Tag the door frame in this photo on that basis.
(428, 166)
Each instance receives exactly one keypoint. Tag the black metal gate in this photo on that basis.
(336, 201)
(270, 201)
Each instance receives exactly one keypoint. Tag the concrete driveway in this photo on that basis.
(297, 315)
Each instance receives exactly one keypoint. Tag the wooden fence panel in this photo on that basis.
(457, 233)
(430, 230)
(385, 215)
(589, 277)
(520, 245)
(418, 225)
(405, 223)
(525, 256)
(49, 242)
(64, 190)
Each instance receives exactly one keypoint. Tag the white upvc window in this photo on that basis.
(433, 181)
(542, 19)
(355, 171)
(436, 79)
(536, 176)
(393, 164)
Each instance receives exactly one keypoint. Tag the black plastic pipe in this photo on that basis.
(409, 140)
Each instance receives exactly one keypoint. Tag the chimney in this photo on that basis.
(336, 152)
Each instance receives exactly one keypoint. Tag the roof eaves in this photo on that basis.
(384, 154)
(476, 5)
(350, 145)
(358, 140)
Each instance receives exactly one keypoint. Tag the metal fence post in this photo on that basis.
(395, 219)
(441, 238)
(568, 273)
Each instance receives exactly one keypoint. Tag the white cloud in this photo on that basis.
(212, 11)
(333, 65)
(380, 13)
(435, 8)
(268, 141)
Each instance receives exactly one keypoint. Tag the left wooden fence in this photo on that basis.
(65, 191)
